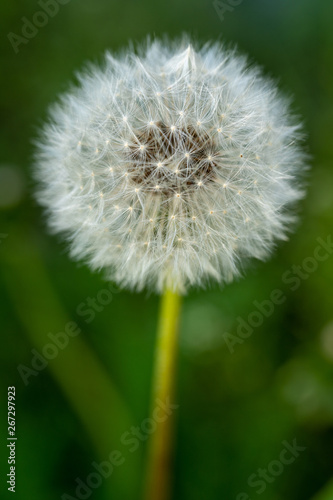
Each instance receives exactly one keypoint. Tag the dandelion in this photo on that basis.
(169, 168)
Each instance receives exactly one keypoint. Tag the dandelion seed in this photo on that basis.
(171, 198)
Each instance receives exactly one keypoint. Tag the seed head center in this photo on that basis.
(174, 160)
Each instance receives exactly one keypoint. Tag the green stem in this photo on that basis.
(158, 483)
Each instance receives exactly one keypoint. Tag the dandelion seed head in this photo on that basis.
(204, 154)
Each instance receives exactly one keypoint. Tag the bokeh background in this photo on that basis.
(235, 408)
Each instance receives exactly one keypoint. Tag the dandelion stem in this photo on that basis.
(158, 484)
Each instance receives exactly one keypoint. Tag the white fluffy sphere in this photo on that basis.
(171, 166)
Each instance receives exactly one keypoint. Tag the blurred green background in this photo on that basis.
(235, 409)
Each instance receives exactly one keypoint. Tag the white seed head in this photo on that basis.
(171, 166)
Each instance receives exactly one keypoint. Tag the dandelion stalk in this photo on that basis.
(160, 446)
